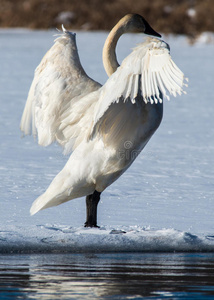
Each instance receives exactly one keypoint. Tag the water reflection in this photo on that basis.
(107, 276)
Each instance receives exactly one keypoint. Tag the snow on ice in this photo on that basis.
(64, 239)
(164, 202)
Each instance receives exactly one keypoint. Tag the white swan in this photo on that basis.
(105, 126)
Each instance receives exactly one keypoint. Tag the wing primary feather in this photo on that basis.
(143, 89)
(161, 86)
(157, 93)
(178, 75)
(173, 87)
(176, 72)
(127, 94)
(149, 84)
(135, 89)
(152, 84)
(144, 78)
(168, 81)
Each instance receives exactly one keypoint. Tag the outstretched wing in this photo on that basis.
(148, 72)
(58, 86)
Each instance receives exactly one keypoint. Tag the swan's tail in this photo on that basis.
(58, 193)
(46, 200)
(37, 205)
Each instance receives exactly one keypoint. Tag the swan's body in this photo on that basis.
(105, 127)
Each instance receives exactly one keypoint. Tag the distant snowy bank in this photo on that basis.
(62, 239)
(205, 38)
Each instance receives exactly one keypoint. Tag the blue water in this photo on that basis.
(107, 276)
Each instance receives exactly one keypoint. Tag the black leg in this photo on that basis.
(91, 207)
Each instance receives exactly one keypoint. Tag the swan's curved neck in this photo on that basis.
(109, 55)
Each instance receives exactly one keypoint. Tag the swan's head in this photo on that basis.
(136, 23)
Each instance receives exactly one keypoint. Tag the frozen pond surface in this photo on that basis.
(164, 202)
(170, 185)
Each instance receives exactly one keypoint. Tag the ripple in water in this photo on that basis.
(107, 276)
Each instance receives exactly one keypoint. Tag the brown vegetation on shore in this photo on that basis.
(189, 17)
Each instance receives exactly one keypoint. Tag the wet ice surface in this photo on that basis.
(165, 199)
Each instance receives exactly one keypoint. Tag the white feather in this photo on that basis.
(152, 63)
(58, 85)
